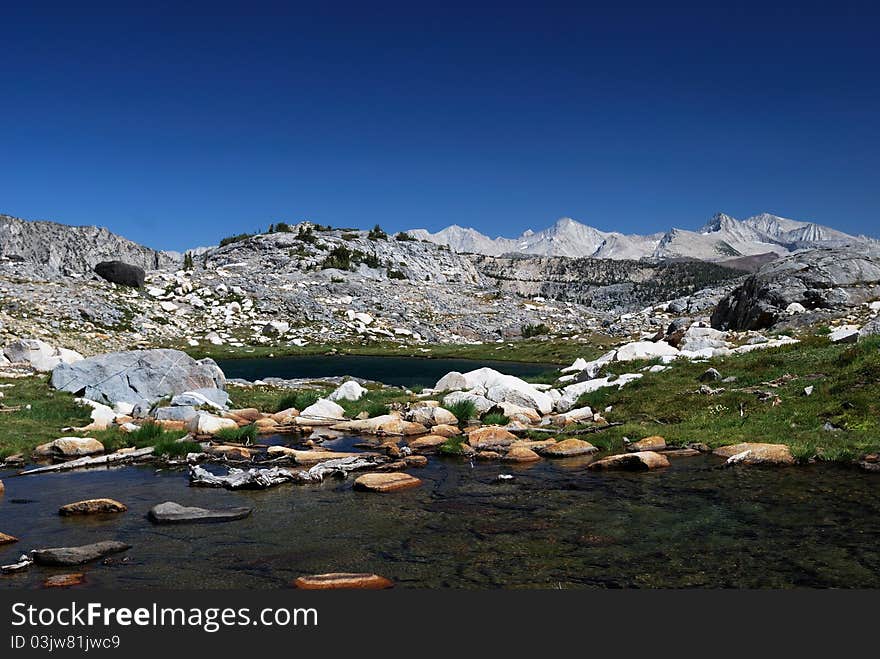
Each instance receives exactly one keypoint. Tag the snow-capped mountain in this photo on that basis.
(722, 237)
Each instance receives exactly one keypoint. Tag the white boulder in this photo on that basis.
(350, 390)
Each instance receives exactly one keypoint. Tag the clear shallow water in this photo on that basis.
(398, 371)
(556, 525)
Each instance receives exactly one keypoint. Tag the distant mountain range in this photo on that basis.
(721, 239)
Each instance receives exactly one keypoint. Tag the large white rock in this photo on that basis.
(208, 424)
(102, 415)
(845, 334)
(350, 390)
(508, 388)
(645, 350)
(579, 365)
(452, 381)
(322, 409)
(795, 308)
(481, 403)
(572, 392)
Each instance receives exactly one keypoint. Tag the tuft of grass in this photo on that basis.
(299, 400)
(176, 449)
(495, 419)
(242, 435)
(464, 411)
(453, 445)
(375, 408)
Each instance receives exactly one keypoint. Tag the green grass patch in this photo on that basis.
(453, 445)
(464, 411)
(242, 435)
(495, 419)
(766, 403)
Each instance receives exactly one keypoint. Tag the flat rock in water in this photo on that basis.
(640, 461)
(388, 482)
(568, 448)
(93, 507)
(173, 513)
(64, 580)
(7, 539)
(490, 438)
(343, 581)
(427, 442)
(681, 453)
(521, 454)
(78, 555)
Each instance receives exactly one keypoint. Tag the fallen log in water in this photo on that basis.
(101, 460)
(261, 479)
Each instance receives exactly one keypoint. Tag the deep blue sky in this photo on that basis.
(175, 127)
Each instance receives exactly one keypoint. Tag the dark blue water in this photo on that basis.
(398, 371)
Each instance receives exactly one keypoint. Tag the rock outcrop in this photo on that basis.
(140, 377)
(827, 279)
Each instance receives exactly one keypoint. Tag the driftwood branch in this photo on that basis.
(101, 460)
(261, 479)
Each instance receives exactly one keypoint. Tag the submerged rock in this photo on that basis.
(173, 513)
(343, 581)
(7, 539)
(93, 507)
(390, 482)
(64, 580)
(78, 555)
(521, 454)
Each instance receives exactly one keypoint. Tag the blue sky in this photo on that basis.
(175, 127)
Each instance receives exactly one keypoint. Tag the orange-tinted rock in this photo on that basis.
(93, 507)
(752, 453)
(641, 461)
(230, 452)
(416, 461)
(568, 448)
(490, 438)
(521, 454)
(7, 539)
(427, 442)
(488, 455)
(386, 482)
(343, 581)
(286, 416)
(250, 414)
(64, 580)
(653, 443)
(445, 430)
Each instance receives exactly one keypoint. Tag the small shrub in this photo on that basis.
(306, 234)
(374, 408)
(403, 236)
(188, 261)
(350, 235)
(235, 239)
(529, 331)
(376, 233)
(395, 274)
(338, 258)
